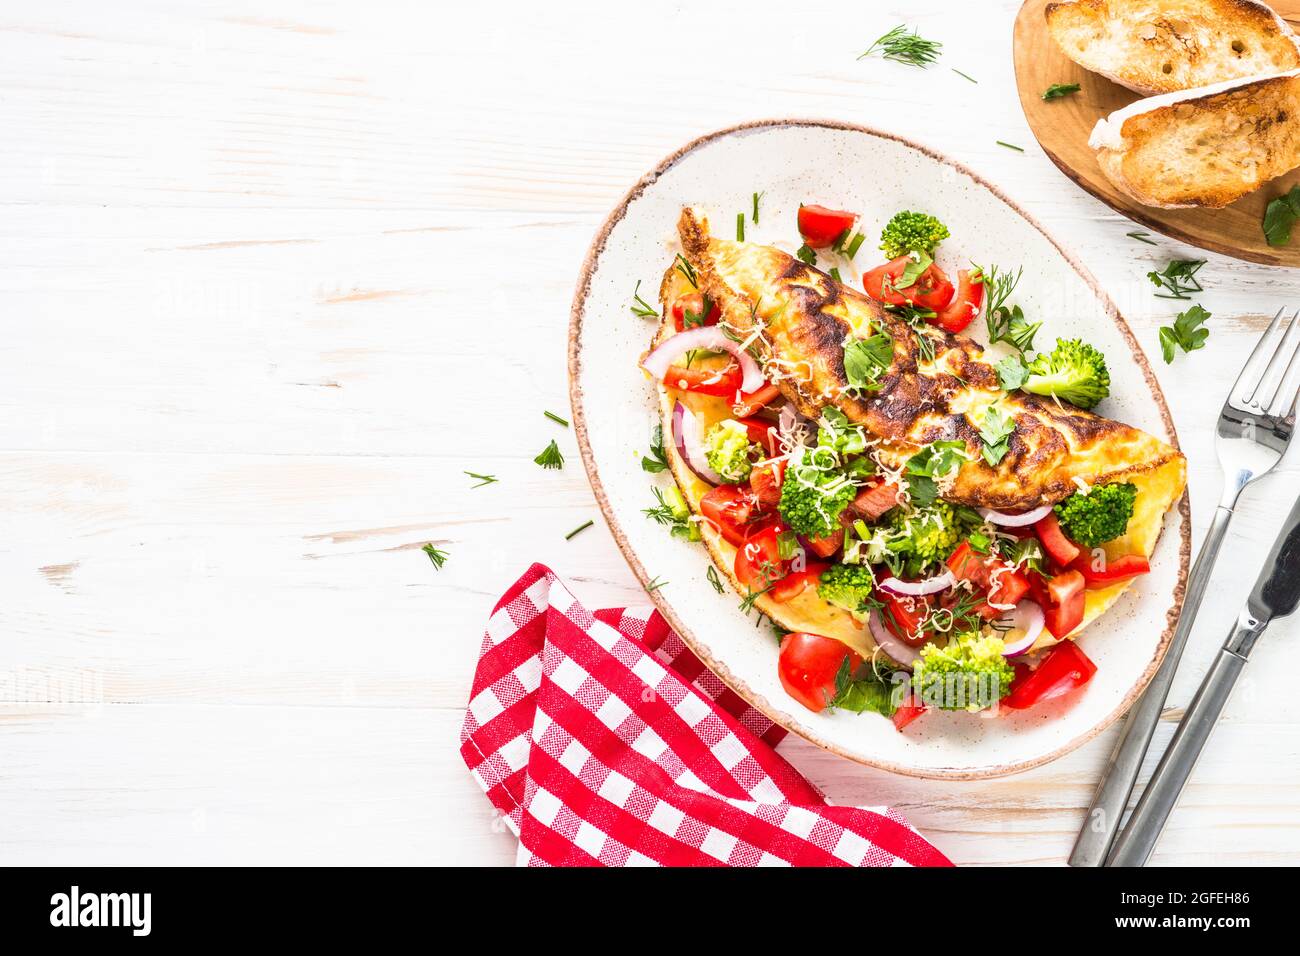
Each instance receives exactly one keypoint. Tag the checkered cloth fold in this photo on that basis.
(604, 741)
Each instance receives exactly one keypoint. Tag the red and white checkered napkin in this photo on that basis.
(604, 740)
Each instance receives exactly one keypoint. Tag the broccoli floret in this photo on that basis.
(1074, 371)
(814, 492)
(1099, 516)
(970, 673)
(846, 585)
(918, 539)
(911, 232)
(727, 449)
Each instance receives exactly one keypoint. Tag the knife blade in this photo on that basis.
(1277, 590)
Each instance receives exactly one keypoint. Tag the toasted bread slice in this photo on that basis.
(1159, 46)
(1204, 147)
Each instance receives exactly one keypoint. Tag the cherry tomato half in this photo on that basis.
(689, 306)
(731, 510)
(808, 665)
(820, 227)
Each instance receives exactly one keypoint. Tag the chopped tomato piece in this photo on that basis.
(908, 711)
(1064, 668)
(706, 381)
(1009, 588)
(1063, 601)
(731, 510)
(904, 616)
(1112, 572)
(808, 665)
(751, 403)
(873, 502)
(765, 480)
(825, 547)
(820, 227)
(1061, 548)
(1003, 584)
(932, 290)
(761, 433)
(794, 583)
(689, 306)
(963, 309)
(758, 559)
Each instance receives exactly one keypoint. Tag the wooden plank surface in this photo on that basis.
(273, 277)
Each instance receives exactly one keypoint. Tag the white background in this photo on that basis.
(272, 275)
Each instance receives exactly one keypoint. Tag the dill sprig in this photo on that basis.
(688, 270)
(550, 456)
(905, 47)
(640, 307)
(436, 556)
(481, 479)
(712, 576)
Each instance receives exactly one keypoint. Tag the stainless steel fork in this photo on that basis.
(1254, 429)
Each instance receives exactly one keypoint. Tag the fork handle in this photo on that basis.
(1158, 799)
(1102, 820)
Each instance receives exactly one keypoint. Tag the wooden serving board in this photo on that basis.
(1062, 127)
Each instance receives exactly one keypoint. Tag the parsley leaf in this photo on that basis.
(937, 460)
(659, 462)
(804, 254)
(1058, 90)
(996, 433)
(1012, 373)
(1187, 333)
(914, 269)
(866, 360)
(1280, 216)
(550, 456)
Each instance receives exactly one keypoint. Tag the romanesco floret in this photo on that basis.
(1101, 515)
(846, 585)
(911, 232)
(814, 492)
(924, 537)
(1073, 371)
(728, 450)
(970, 673)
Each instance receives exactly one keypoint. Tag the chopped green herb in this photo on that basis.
(1018, 149)
(1187, 333)
(659, 462)
(995, 433)
(965, 76)
(740, 227)
(1280, 215)
(854, 245)
(654, 585)
(903, 47)
(688, 270)
(913, 271)
(437, 557)
(754, 214)
(640, 307)
(578, 530)
(866, 360)
(1012, 373)
(482, 479)
(1141, 237)
(804, 254)
(979, 542)
(556, 418)
(692, 320)
(835, 274)
(672, 512)
(1179, 277)
(550, 456)
(937, 460)
(1005, 323)
(874, 692)
(1058, 90)
(747, 603)
(712, 573)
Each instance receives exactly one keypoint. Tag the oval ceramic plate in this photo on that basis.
(848, 167)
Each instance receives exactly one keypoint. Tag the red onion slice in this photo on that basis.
(920, 588)
(902, 655)
(690, 444)
(1027, 617)
(708, 337)
(1015, 521)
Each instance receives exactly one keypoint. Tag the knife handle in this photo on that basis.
(1101, 822)
(1158, 800)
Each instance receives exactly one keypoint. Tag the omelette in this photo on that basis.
(1005, 454)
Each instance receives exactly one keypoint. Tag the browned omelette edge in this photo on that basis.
(602, 499)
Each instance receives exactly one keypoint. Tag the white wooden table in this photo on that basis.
(273, 275)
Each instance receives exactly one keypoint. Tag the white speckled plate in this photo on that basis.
(849, 167)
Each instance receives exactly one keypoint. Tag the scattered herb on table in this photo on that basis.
(905, 47)
(578, 530)
(965, 76)
(1058, 90)
(438, 557)
(550, 456)
(482, 479)
(1187, 333)
(1179, 277)
(556, 418)
(1141, 237)
(1018, 149)
(655, 584)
